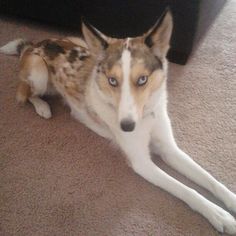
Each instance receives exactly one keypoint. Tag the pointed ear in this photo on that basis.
(95, 39)
(158, 37)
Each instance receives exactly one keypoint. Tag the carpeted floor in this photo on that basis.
(58, 178)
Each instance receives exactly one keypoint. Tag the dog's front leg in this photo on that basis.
(163, 143)
(136, 146)
(99, 129)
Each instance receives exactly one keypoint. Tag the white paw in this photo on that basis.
(43, 110)
(221, 220)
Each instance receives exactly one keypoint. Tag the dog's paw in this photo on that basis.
(222, 220)
(43, 110)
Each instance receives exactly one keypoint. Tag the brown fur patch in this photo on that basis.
(31, 63)
(52, 69)
(141, 52)
(77, 41)
(22, 46)
(73, 55)
(23, 92)
(72, 74)
(65, 44)
(51, 48)
(141, 94)
(105, 87)
(113, 54)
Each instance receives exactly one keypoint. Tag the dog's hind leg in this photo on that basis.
(163, 143)
(33, 84)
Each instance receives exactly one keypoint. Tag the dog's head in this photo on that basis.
(130, 70)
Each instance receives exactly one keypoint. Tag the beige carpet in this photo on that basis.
(58, 178)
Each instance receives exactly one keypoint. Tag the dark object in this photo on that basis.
(124, 18)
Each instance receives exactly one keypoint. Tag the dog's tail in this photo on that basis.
(16, 47)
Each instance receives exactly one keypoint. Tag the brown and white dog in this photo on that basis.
(117, 88)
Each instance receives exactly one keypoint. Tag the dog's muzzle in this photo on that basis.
(127, 125)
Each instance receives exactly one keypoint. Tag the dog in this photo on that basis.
(117, 88)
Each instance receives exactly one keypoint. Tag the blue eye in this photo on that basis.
(142, 80)
(112, 81)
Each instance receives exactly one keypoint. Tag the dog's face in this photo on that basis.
(130, 70)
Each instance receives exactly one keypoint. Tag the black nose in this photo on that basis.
(127, 125)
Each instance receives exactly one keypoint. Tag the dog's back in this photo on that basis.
(49, 66)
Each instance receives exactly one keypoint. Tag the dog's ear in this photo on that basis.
(158, 37)
(95, 39)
